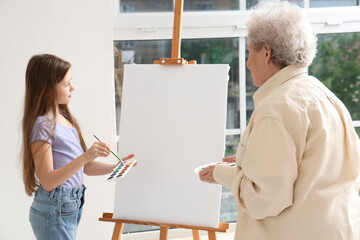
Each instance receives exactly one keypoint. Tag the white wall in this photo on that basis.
(81, 32)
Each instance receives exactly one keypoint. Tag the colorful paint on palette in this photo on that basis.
(121, 169)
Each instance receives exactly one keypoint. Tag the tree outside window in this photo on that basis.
(337, 65)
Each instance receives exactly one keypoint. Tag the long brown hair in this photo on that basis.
(43, 73)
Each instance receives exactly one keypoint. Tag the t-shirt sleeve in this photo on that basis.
(42, 131)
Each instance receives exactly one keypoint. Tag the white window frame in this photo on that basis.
(224, 24)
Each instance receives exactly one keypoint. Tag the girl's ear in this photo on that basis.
(267, 53)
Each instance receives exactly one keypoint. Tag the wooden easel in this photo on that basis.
(164, 227)
(176, 40)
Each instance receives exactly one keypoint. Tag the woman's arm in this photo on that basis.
(43, 160)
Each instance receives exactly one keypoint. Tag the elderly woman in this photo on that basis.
(299, 157)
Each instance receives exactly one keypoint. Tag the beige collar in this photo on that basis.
(277, 79)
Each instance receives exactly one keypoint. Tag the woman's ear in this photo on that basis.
(267, 53)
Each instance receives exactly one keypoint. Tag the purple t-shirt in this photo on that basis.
(65, 145)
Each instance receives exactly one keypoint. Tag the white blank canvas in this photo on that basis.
(173, 118)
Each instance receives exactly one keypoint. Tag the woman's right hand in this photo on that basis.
(98, 149)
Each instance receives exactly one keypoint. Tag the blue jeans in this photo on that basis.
(56, 214)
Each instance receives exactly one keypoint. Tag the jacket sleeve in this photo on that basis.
(264, 178)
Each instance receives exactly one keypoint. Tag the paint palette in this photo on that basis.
(121, 169)
(198, 169)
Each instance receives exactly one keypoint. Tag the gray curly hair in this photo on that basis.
(286, 29)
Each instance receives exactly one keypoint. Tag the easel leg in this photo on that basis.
(196, 234)
(117, 231)
(164, 233)
(212, 235)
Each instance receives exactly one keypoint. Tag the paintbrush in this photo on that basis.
(110, 150)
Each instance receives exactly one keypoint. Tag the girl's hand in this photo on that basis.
(129, 157)
(98, 149)
(230, 159)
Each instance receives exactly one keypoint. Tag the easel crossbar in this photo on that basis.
(108, 217)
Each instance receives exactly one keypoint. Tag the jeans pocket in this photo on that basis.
(40, 222)
(69, 215)
(69, 207)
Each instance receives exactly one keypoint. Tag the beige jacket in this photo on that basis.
(297, 164)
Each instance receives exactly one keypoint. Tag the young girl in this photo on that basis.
(54, 153)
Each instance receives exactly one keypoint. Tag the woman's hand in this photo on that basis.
(230, 159)
(98, 149)
(207, 174)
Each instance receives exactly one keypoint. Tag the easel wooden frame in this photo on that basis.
(164, 227)
(176, 40)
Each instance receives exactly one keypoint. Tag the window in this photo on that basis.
(146, 6)
(251, 3)
(213, 31)
(168, 5)
(337, 66)
(332, 3)
(211, 5)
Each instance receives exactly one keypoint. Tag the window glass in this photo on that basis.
(210, 5)
(251, 3)
(168, 5)
(332, 3)
(228, 206)
(250, 90)
(140, 52)
(133, 228)
(232, 142)
(204, 51)
(127, 6)
(219, 51)
(337, 66)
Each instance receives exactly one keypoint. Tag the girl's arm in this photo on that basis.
(43, 160)
(96, 168)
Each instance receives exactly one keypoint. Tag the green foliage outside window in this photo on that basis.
(337, 65)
